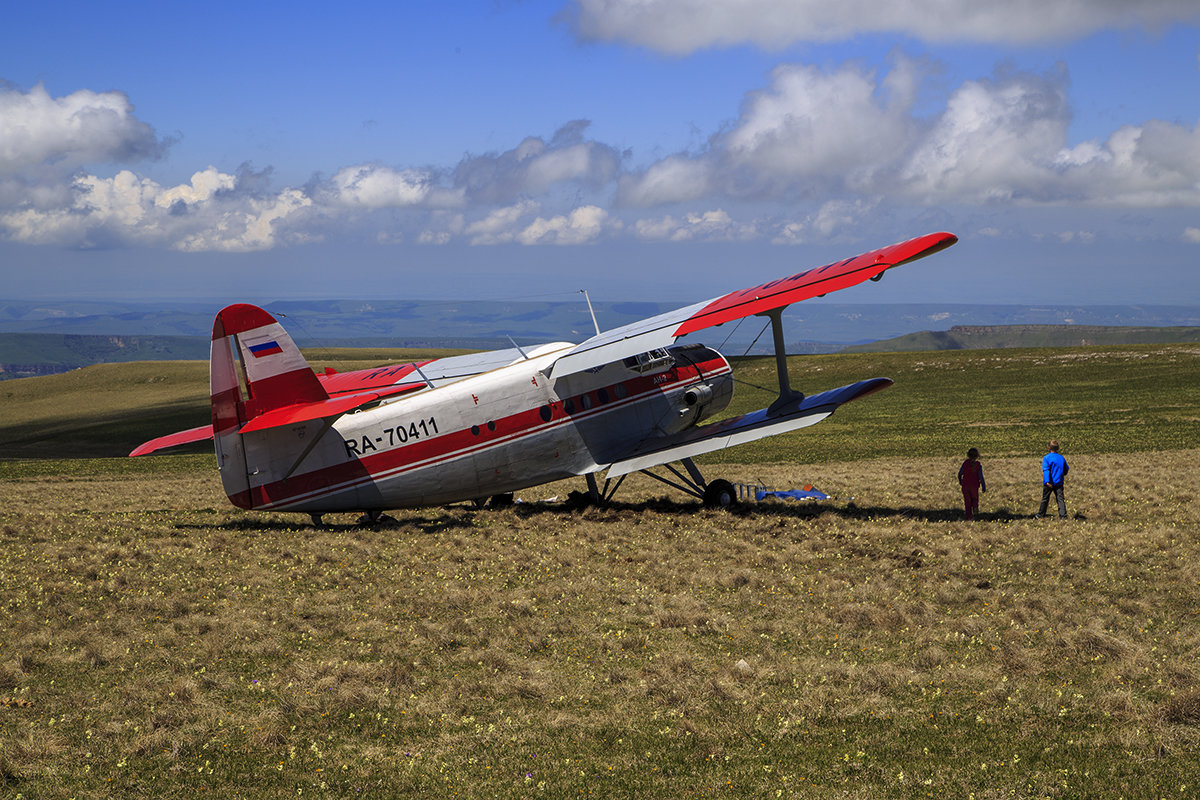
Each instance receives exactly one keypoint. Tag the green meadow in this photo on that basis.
(157, 641)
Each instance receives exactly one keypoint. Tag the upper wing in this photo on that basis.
(664, 329)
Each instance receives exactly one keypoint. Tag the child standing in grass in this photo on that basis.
(970, 478)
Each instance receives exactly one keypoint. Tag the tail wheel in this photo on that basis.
(720, 494)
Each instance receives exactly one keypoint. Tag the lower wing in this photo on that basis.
(746, 428)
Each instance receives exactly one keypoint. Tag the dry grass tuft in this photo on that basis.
(1183, 709)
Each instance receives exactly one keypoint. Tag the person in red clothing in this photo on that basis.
(970, 478)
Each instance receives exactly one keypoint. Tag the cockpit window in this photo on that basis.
(650, 361)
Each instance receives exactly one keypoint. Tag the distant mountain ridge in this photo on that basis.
(315, 321)
(986, 337)
(114, 331)
(28, 354)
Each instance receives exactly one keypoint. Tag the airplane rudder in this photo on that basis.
(274, 373)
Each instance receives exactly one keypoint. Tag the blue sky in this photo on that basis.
(657, 149)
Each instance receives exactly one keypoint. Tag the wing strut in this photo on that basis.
(599, 495)
(326, 424)
(787, 395)
(693, 483)
(428, 382)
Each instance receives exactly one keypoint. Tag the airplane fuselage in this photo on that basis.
(493, 433)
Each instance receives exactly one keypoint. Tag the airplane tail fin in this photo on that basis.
(255, 368)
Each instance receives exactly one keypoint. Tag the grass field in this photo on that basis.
(159, 642)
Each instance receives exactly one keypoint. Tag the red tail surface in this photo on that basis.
(255, 368)
(272, 375)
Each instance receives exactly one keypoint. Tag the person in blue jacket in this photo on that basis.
(1054, 472)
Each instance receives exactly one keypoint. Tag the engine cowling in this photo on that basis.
(710, 397)
(707, 396)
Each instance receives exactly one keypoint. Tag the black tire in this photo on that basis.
(720, 494)
(370, 518)
(501, 500)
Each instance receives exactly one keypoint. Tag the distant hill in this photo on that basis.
(986, 337)
(26, 354)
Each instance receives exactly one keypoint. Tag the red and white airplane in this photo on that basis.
(484, 425)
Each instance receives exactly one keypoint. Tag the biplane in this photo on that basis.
(481, 426)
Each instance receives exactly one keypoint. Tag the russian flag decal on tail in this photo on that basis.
(265, 349)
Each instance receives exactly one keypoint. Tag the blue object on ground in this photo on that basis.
(794, 494)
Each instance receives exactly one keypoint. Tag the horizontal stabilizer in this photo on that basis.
(746, 428)
(199, 434)
(333, 407)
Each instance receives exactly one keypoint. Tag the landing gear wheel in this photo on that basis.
(316, 519)
(501, 500)
(720, 494)
(373, 518)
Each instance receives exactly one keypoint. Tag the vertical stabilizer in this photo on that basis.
(255, 367)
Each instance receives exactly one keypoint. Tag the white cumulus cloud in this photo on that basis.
(583, 225)
(535, 166)
(714, 225)
(996, 139)
(209, 213)
(676, 179)
(684, 26)
(853, 136)
(814, 123)
(39, 131)
(374, 186)
(252, 226)
(500, 225)
(809, 155)
(831, 218)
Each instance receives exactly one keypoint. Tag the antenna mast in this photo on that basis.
(591, 310)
